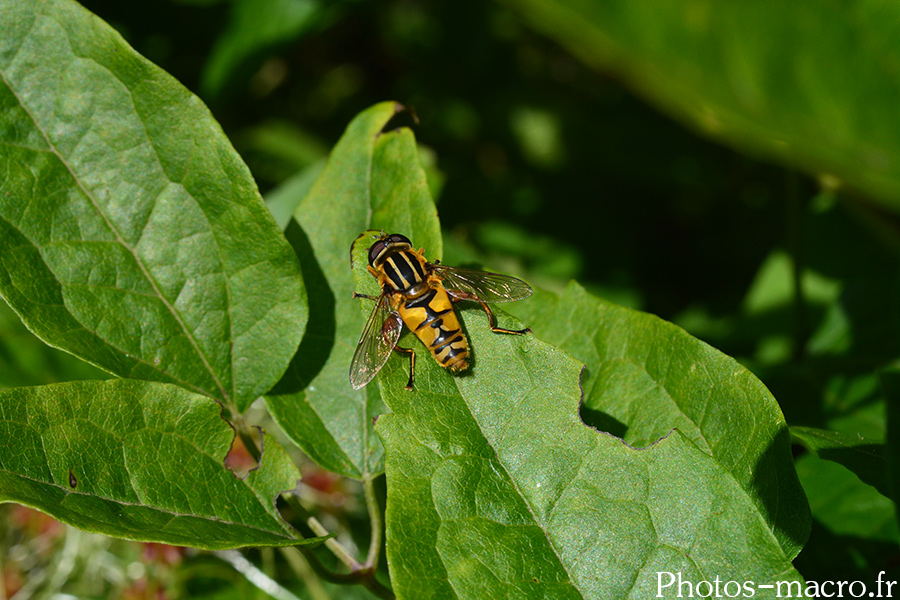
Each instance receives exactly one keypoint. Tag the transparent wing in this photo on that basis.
(378, 339)
(490, 287)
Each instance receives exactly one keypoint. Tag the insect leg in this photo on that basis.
(457, 295)
(366, 296)
(412, 364)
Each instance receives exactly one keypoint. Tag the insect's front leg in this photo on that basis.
(457, 295)
(366, 296)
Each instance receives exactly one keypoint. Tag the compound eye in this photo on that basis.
(399, 239)
(376, 249)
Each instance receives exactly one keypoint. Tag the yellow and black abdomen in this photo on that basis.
(432, 318)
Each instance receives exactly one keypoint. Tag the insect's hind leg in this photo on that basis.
(457, 295)
(412, 364)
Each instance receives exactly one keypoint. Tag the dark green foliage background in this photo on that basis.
(627, 182)
(555, 169)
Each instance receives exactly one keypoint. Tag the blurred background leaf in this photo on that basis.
(784, 82)
(255, 27)
(26, 360)
(856, 454)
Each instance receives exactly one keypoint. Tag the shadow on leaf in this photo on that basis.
(770, 480)
(315, 347)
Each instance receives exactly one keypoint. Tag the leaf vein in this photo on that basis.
(54, 150)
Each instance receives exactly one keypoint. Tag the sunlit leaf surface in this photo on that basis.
(131, 233)
(139, 460)
(646, 377)
(496, 488)
(373, 180)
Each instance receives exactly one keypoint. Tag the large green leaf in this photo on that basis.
(373, 180)
(139, 460)
(496, 489)
(645, 377)
(808, 83)
(131, 234)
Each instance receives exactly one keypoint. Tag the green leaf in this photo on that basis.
(843, 503)
(496, 489)
(256, 26)
(373, 180)
(139, 460)
(861, 457)
(131, 234)
(645, 377)
(810, 84)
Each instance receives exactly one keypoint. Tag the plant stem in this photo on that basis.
(363, 574)
(375, 520)
(375, 586)
(359, 573)
(365, 578)
(332, 544)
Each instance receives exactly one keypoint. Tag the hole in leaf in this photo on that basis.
(601, 421)
(239, 459)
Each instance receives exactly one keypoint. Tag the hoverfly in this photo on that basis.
(421, 295)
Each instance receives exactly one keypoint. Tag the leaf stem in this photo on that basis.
(318, 529)
(332, 544)
(375, 520)
(361, 574)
